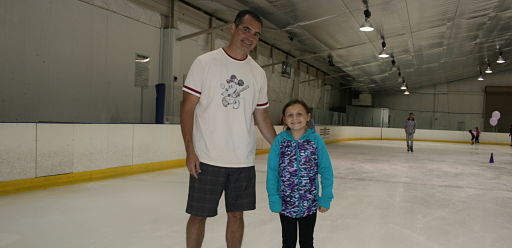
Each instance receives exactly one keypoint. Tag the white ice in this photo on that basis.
(442, 195)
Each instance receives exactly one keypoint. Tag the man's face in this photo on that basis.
(247, 34)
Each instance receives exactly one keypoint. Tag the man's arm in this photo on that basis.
(264, 124)
(188, 105)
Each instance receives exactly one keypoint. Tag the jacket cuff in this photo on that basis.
(275, 205)
(324, 203)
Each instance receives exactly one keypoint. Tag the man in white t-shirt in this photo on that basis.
(224, 94)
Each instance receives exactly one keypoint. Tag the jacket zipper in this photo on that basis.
(298, 175)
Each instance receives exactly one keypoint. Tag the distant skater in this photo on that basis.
(477, 135)
(510, 134)
(472, 136)
(410, 129)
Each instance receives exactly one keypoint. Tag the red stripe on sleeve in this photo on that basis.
(191, 89)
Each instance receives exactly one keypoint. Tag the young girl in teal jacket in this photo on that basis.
(297, 156)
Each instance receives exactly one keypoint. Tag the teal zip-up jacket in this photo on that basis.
(292, 174)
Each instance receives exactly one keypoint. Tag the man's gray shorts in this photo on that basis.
(204, 192)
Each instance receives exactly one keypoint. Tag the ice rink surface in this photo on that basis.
(442, 195)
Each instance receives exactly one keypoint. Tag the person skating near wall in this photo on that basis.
(510, 134)
(477, 135)
(410, 129)
(472, 136)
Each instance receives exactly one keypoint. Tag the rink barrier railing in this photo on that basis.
(29, 184)
(169, 150)
(423, 140)
(22, 185)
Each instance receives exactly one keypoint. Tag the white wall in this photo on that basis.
(69, 61)
(73, 61)
(445, 105)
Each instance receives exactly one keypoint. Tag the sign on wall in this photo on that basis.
(141, 70)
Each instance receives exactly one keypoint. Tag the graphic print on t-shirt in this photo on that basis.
(231, 92)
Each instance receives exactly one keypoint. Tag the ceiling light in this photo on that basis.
(383, 53)
(400, 78)
(406, 92)
(488, 70)
(141, 58)
(393, 64)
(500, 59)
(367, 26)
(404, 86)
(481, 77)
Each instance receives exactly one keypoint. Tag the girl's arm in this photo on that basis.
(274, 198)
(326, 173)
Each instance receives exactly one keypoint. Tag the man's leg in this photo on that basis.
(203, 198)
(240, 196)
(195, 231)
(235, 229)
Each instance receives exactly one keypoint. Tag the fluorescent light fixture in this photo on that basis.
(141, 58)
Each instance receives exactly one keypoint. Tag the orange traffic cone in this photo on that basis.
(491, 159)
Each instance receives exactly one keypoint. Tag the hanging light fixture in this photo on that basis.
(400, 78)
(406, 92)
(488, 70)
(481, 77)
(366, 26)
(500, 59)
(383, 53)
(404, 86)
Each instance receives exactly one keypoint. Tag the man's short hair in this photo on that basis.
(242, 13)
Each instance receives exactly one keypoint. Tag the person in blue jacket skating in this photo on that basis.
(297, 157)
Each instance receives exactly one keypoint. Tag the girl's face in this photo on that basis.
(296, 117)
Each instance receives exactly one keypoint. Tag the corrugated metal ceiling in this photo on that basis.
(432, 41)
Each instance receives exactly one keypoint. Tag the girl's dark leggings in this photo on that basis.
(306, 229)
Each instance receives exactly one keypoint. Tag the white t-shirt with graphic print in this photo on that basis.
(229, 91)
